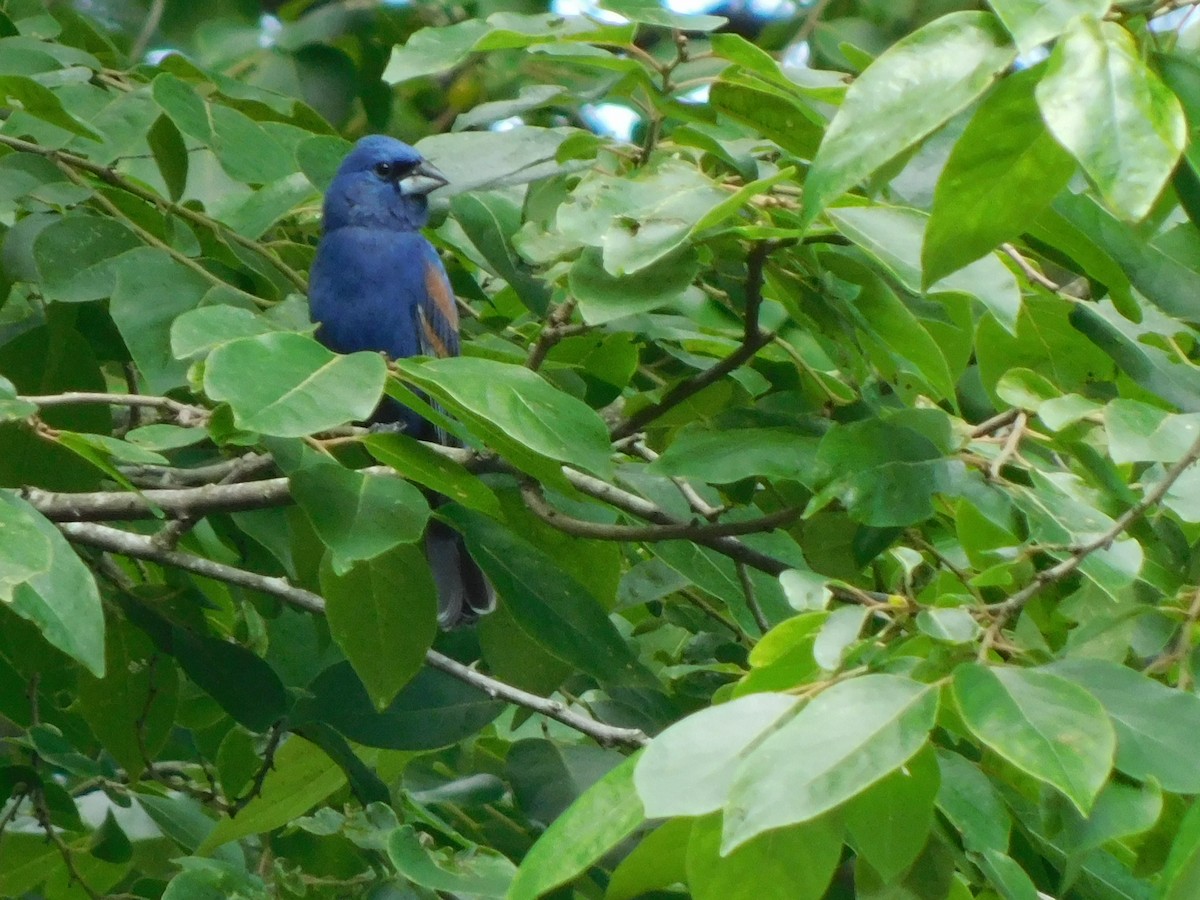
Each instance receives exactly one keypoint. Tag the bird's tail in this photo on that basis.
(463, 591)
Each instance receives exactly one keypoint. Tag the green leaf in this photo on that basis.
(656, 862)
(301, 777)
(170, 155)
(417, 462)
(479, 872)
(1044, 725)
(12, 407)
(358, 516)
(150, 291)
(39, 101)
(1154, 369)
(516, 408)
(548, 604)
(198, 332)
(25, 550)
(432, 710)
(183, 106)
(688, 769)
(638, 221)
(383, 614)
(72, 253)
(1180, 877)
(895, 235)
(1034, 22)
(1004, 170)
(970, 802)
(1138, 432)
(131, 710)
(651, 13)
(728, 455)
(889, 824)
(490, 220)
(1113, 114)
(601, 818)
(918, 84)
(845, 740)
(1007, 876)
(288, 385)
(207, 879)
(604, 297)
(1155, 725)
(239, 680)
(772, 112)
(795, 863)
(56, 591)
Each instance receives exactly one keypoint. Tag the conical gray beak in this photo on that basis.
(424, 179)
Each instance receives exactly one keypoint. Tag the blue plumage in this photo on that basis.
(378, 284)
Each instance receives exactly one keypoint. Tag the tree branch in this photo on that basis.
(140, 546)
(535, 500)
(1080, 552)
(185, 414)
(753, 340)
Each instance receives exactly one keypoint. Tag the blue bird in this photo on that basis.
(377, 284)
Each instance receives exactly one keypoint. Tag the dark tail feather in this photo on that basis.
(464, 593)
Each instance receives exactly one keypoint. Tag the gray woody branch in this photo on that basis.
(114, 540)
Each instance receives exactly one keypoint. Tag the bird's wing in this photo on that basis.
(436, 312)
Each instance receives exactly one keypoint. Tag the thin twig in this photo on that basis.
(1030, 272)
(153, 17)
(552, 332)
(142, 547)
(1011, 444)
(1081, 552)
(260, 777)
(756, 610)
(535, 501)
(753, 340)
(995, 423)
(699, 505)
(185, 414)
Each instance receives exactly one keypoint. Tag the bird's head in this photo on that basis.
(382, 183)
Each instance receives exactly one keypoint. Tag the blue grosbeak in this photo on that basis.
(378, 284)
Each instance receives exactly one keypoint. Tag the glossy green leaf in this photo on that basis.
(604, 816)
(289, 385)
(603, 297)
(721, 457)
(688, 769)
(383, 614)
(417, 462)
(1004, 169)
(1034, 22)
(1113, 114)
(477, 873)
(795, 863)
(25, 551)
(894, 236)
(845, 740)
(357, 516)
(549, 605)
(1046, 726)
(890, 823)
(915, 86)
(301, 776)
(971, 803)
(519, 403)
(432, 710)
(56, 592)
(198, 332)
(1155, 725)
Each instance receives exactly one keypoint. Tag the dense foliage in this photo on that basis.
(831, 445)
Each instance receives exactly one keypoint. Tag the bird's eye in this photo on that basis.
(383, 169)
